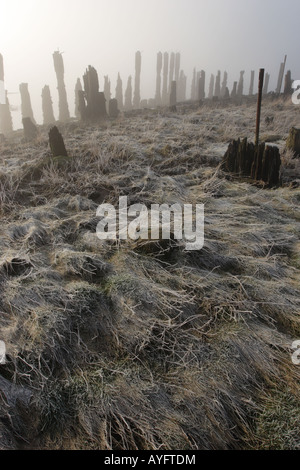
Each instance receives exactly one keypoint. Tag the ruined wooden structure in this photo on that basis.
(106, 91)
(26, 108)
(56, 143)
(92, 103)
(251, 87)
(240, 88)
(257, 161)
(260, 163)
(119, 93)
(224, 85)
(171, 71)
(128, 95)
(64, 114)
(30, 129)
(201, 86)
(159, 63)
(6, 124)
(211, 87)
(217, 92)
(47, 106)
(113, 109)
(266, 84)
(173, 96)
(293, 141)
(164, 96)
(288, 82)
(78, 88)
(280, 76)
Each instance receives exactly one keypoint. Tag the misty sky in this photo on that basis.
(213, 35)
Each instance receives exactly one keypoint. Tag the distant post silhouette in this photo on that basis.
(47, 107)
(119, 93)
(128, 95)
(78, 88)
(165, 79)
(64, 114)
(281, 75)
(26, 108)
(159, 62)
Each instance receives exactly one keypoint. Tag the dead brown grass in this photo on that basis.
(144, 345)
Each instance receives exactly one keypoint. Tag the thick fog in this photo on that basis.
(225, 35)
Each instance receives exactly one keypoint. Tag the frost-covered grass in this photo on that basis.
(143, 345)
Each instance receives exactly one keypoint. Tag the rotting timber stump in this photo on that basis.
(293, 141)
(57, 144)
(260, 163)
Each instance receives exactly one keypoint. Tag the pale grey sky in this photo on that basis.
(229, 35)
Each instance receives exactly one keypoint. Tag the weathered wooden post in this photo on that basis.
(177, 66)
(159, 62)
(119, 93)
(30, 129)
(113, 108)
(6, 124)
(266, 85)
(224, 84)
(251, 88)
(201, 86)
(165, 79)
(171, 72)
(57, 144)
(211, 87)
(259, 99)
(47, 107)
(193, 86)
(173, 96)
(82, 105)
(78, 87)
(96, 107)
(106, 90)
(288, 90)
(64, 114)
(26, 108)
(218, 85)
(293, 141)
(137, 92)
(181, 94)
(281, 75)
(128, 95)
(234, 90)
(240, 87)
(257, 161)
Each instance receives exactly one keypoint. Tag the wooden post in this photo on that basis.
(30, 129)
(259, 99)
(56, 142)
(281, 75)
(173, 96)
(64, 114)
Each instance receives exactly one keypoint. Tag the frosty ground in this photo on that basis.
(142, 344)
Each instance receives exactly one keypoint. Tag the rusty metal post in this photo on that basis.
(259, 99)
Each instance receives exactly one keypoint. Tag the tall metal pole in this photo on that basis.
(259, 99)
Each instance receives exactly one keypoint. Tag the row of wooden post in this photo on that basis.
(170, 90)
